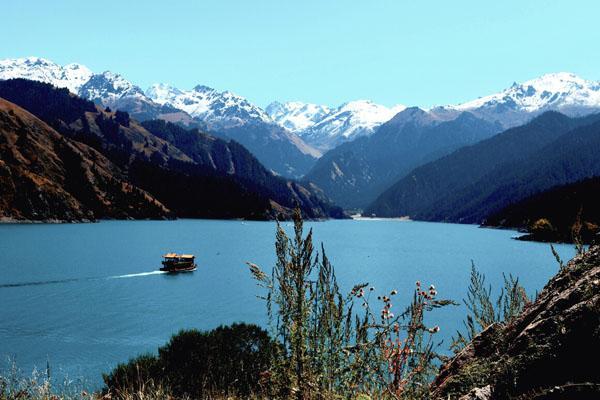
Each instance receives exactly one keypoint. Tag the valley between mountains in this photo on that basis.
(82, 145)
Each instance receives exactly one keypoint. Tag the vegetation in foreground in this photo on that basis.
(323, 344)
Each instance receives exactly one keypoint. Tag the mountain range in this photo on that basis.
(480, 180)
(279, 146)
(360, 154)
(225, 114)
(354, 173)
(188, 173)
(518, 104)
(324, 127)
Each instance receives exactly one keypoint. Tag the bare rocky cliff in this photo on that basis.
(550, 351)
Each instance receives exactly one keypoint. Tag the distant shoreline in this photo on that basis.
(359, 217)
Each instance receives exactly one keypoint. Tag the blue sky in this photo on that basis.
(390, 51)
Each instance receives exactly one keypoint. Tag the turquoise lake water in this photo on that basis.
(83, 297)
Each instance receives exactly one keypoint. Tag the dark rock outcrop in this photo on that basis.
(550, 351)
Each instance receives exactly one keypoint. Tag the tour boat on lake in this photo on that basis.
(178, 263)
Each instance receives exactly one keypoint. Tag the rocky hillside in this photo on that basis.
(45, 176)
(549, 352)
(193, 174)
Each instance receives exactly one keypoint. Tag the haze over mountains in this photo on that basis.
(480, 180)
(390, 161)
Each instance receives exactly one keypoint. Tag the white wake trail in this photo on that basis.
(136, 275)
(70, 280)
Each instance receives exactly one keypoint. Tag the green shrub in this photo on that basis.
(133, 375)
(226, 360)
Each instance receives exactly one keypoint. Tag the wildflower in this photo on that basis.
(431, 287)
(371, 289)
(391, 315)
(418, 283)
(394, 292)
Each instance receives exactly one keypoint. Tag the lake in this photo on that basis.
(83, 297)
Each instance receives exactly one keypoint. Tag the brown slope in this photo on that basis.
(45, 176)
(192, 174)
(549, 352)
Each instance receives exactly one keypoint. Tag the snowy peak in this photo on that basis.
(107, 88)
(208, 105)
(162, 93)
(346, 122)
(551, 91)
(296, 116)
(366, 114)
(71, 76)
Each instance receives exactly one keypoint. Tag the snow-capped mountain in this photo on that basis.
(325, 128)
(223, 113)
(296, 116)
(303, 129)
(106, 89)
(71, 76)
(113, 90)
(564, 92)
(216, 109)
(109, 88)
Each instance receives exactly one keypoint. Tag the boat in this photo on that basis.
(173, 262)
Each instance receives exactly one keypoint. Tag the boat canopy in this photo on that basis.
(175, 255)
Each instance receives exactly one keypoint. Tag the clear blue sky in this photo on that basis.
(324, 51)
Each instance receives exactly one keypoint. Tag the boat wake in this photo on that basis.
(136, 275)
(58, 281)
(39, 283)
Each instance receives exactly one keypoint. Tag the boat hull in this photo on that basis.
(175, 269)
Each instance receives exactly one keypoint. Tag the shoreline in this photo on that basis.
(359, 217)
